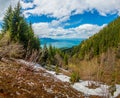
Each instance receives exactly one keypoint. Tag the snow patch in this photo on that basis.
(60, 76)
(117, 91)
(82, 86)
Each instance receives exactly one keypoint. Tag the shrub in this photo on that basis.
(74, 77)
(57, 70)
(10, 49)
(14, 50)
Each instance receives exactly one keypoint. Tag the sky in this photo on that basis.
(66, 18)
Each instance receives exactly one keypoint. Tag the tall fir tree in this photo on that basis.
(6, 26)
(20, 31)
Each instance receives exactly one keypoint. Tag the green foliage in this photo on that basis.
(44, 56)
(57, 70)
(20, 31)
(66, 59)
(108, 37)
(74, 77)
(53, 56)
(7, 20)
(1, 36)
(48, 55)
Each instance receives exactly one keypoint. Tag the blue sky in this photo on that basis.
(76, 20)
(66, 18)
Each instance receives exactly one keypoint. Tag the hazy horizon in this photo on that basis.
(61, 42)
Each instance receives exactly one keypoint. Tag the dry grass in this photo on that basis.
(86, 69)
(20, 81)
(92, 70)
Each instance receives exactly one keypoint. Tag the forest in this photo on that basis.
(108, 37)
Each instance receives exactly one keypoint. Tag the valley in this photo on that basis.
(46, 55)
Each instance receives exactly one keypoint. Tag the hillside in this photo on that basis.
(108, 37)
(98, 58)
(19, 79)
(89, 70)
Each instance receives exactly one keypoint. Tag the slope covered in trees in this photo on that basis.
(108, 37)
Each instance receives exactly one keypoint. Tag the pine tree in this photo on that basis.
(20, 31)
(66, 59)
(44, 55)
(16, 23)
(108, 37)
(7, 20)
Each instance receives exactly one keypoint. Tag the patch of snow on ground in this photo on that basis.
(63, 78)
(35, 65)
(60, 76)
(51, 72)
(81, 86)
(101, 90)
(117, 91)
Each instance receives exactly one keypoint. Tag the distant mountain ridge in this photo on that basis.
(47, 40)
(61, 42)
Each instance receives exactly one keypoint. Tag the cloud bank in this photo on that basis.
(62, 10)
(82, 31)
(65, 8)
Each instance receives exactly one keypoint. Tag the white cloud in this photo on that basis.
(82, 31)
(56, 23)
(60, 9)
(56, 8)
(26, 5)
(104, 6)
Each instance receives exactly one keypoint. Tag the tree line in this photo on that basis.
(108, 37)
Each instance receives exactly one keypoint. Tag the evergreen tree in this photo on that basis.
(44, 55)
(66, 59)
(7, 20)
(108, 37)
(20, 31)
(16, 22)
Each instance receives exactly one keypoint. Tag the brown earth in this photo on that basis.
(18, 80)
(21, 81)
